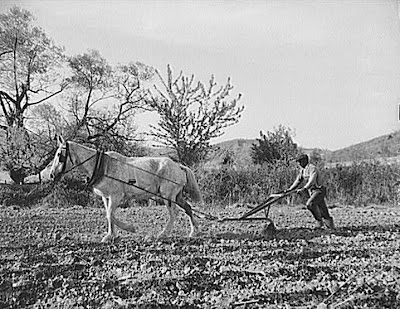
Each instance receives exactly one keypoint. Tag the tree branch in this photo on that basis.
(6, 52)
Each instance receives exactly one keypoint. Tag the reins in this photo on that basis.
(146, 171)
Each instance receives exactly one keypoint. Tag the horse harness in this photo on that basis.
(98, 171)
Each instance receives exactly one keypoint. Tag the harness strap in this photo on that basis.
(64, 158)
(98, 171)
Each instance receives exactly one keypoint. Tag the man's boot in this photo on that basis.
(318, 224)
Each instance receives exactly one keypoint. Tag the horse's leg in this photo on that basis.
(172, 216)
(106, 205)
(123, 225)
(114, 220)
(111, 204)
(194, 228)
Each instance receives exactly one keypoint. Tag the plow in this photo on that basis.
(264, 206)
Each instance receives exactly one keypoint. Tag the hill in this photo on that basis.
(240, 151)
(383, 147)
(386, 146)
(237, 149)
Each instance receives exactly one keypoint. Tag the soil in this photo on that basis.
(53, 258)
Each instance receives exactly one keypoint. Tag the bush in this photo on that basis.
(363, 183)
(22, 195)
(248, 184)
(69, 191)
(359, 184)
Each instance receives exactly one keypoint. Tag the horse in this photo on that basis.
(115, 177)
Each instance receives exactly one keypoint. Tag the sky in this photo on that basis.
(328, 70)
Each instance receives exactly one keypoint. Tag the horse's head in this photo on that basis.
(60, 159)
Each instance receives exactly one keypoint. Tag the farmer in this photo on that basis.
(316, 202)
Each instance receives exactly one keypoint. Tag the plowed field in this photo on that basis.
(53, 258)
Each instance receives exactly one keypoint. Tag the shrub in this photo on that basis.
(358, 184)
(274, 147)
(70, 191)
(363, 183)
(247, 184)
(22, 195)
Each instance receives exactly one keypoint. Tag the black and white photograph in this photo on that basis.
(200, 154)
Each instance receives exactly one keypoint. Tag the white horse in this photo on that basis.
(115, 177)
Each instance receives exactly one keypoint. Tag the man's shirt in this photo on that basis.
(311, 176)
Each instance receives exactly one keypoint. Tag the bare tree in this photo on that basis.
(99, 104)
(102, 101)
(29, 77)
(28, 62)
(191, 114)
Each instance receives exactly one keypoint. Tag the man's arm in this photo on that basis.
(296, 183)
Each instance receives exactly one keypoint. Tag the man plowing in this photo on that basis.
(317, 192)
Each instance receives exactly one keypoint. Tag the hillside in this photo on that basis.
(238, 149)
(386, 146)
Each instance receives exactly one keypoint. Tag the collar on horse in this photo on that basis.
(98, 171)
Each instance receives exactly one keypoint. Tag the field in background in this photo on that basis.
(53, 258)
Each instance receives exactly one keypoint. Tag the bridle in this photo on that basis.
(65, 155)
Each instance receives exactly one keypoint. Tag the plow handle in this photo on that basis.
(282, 193)
(270, 200)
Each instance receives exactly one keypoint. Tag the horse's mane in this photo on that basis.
(116, 155)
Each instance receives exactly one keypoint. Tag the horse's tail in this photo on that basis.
(191, 185)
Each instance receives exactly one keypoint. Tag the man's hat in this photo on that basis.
(302, 157)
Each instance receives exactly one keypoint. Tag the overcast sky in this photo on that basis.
(330, 70)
